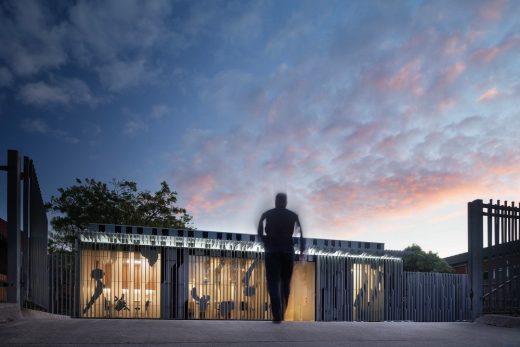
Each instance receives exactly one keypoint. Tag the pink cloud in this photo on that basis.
(408, 78)
(489, 94)
(489, 54)
(446, 104)
(197, 189)
(492, 9)
(453, 71)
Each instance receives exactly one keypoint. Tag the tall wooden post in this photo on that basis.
(13, 227)
(475, 250)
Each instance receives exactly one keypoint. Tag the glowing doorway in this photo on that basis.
(302, 300)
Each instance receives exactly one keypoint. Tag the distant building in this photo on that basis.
(498, 273)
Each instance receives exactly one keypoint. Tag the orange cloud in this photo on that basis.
(489, 94)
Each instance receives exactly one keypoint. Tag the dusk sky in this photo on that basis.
(380, 119)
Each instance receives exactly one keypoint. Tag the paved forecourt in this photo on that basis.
(86, 332)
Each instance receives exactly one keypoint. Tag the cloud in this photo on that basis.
(136, 123)
(492, 10)
(61, 91)
(134, 126)
(373, 126)
(489, 94)
(453, 72)
(160, 111)
(120, 75)
(40, 93)
(6, 78)
(31, 42)
(118, 41)
(488, 54)
(39, 126)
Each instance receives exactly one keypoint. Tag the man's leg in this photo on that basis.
(286, 268)
(272, 268)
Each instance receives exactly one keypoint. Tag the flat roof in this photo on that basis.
(206, 239)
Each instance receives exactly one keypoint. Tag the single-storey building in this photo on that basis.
(146, 272)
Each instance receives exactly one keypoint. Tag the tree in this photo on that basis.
(415, 259)
(119, 202)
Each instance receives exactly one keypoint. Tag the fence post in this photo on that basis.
(77, 262)
(13, 227)
(475, 261)
(25, 233)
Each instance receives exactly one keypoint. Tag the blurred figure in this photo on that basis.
(277, 236)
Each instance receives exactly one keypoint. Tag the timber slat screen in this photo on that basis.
(377, 289)
(435, 297)
(353, 288)
(500, 257)
(227, 285)
(139, 272)
(140, 281)
(61, 268)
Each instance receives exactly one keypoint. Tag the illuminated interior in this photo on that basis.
(235, 288)
(120, 284)
(227, 288)
(301, 306)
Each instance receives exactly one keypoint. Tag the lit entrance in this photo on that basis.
(301, 306)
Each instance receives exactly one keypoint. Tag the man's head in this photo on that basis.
(281, 200)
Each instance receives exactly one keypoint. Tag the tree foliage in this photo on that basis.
(119, 202)
(415, 259)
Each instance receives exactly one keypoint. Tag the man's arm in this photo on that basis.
(261, 227)
(302, 241)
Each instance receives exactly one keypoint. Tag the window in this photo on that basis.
(252, 238)
(154, 231)
(128, 230)
(164, 232)
(219, 236)
(118, 229)
(101, 228)
(140, 230)
(239, 237)
(190, 233)
(229, 236)
(205, 234)
(367, 245)
(314, 242)
(180, 233)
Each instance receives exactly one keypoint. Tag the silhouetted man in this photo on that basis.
(280, 224)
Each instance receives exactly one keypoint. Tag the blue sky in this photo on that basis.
(381, 120)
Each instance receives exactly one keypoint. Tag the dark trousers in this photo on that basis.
(279, 269)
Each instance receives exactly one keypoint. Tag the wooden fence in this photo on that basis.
(62, 284)
(435, 297)
(377, 289)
